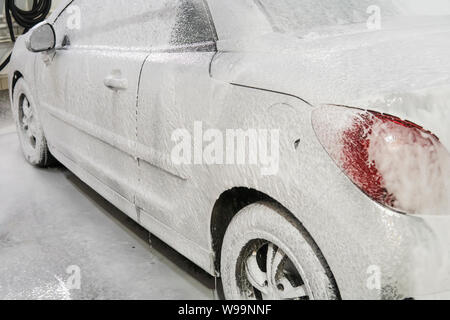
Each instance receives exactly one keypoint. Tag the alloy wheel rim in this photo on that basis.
(27, 121)
(267, 273)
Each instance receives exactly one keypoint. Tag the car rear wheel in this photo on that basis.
(29, 128)
(267, 255)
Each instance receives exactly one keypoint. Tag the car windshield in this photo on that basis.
(300, 16)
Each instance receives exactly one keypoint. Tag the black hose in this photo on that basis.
(24, 18)
(6, 62)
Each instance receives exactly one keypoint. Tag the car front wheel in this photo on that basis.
(267, 255)
(29, 128)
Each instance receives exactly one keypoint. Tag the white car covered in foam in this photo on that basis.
(351, 199)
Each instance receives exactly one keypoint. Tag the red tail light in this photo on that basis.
(395, 162)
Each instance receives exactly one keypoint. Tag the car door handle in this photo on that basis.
(115, 82)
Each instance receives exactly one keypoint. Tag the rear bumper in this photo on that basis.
(417, 265)
(430, 272)
(376, 253)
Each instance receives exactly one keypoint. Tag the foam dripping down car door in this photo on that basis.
(95, 119)
(175, 91)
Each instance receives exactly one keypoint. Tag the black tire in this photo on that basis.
(267, 255)
(29, 127)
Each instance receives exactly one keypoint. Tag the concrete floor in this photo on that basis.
(51, 221)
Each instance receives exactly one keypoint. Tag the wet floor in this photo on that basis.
(61, 240)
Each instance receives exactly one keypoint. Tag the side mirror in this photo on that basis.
(42, 38)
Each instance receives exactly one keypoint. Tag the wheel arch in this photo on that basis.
(232, 201)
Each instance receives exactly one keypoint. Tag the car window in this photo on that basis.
(301, 17)
(62, 5)
(135, 23)
(61, 21)
(193, 24)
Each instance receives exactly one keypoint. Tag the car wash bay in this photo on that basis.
(61, 240)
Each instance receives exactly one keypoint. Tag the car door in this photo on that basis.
(94, 77)
(176, 90)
